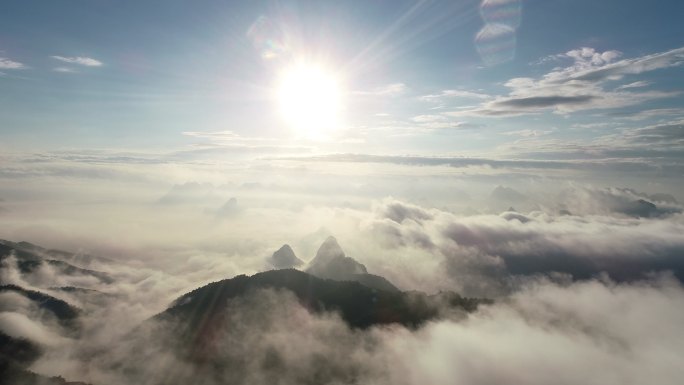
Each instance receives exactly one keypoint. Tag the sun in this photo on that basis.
(309, 98)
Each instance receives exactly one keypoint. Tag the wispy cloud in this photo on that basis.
(80, 60)
(527, 133)
(638, 84)
(8, 64)
(448, 94)
(580, 86)
(389, 90)
(64, 69)
(654, 113)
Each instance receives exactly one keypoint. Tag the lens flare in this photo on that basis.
(496, 42)
(506, 12)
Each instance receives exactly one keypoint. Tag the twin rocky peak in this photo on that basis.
(331, 262)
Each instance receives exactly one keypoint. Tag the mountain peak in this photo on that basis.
(328, 251)
(285, 258)
(331, 262)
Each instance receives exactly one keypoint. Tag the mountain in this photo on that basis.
(332, 263)
(195, 316)
(359, 306)
(285, 258)
(30, 258)
(17, 354)
(51, 308)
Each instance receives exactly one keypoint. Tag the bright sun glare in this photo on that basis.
(309, 98)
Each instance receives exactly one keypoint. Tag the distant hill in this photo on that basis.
(64, 313)
(31, 257)
(17, 354)
(285, 258)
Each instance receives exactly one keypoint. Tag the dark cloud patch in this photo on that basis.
(544, 101)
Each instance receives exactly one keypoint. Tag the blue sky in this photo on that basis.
(414, 80)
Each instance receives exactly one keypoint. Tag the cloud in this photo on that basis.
(639, 84)
(527, 133)
(545, 101)
(438, 122)
(551, 333)
(653, 113)
(392, 90)
(429, 118)
(80, 60)
(617, 70)
(584, 85)
(574, 157)
(624, 201)
(64, 70)
(8, 64)
(399, 211)
(669, 133)
(483, 254)
(594, 332)
(546, 326)
(18, 325)
(448, 94)
(220, 142)
(588, 57)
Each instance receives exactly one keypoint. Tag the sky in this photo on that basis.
(284, 104)
(504, 79)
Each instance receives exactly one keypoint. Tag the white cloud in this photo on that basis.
(64, 70)
(639, 84)
(18, 325)
(80, 60)
(429, 118)
(588, 57)
(392, 90)
(447, 94)
(527, 133)
(580, 86)
(7, 64)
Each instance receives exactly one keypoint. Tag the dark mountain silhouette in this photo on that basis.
(640, 208)
(374, 282)
(285, 258)
(331, 262)
(16, 354)
(63, 312)
(31, 257)
(18, 350)
(195, 316)
(12, 374)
